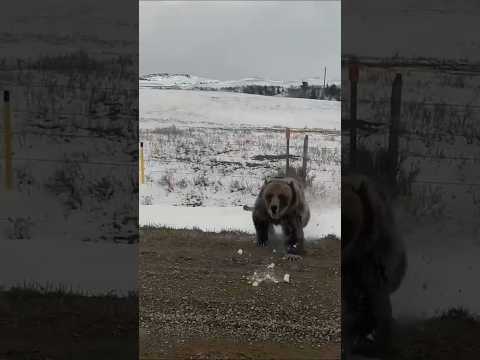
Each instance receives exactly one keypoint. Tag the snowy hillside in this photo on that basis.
(161, 108)
(187, 81)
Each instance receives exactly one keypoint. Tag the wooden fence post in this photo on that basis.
(305, 157)
(353, 73)
(287, 167)
(142, 165)
(7, 140)
(395, 107)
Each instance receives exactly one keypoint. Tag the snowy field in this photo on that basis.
(67, 220)
(207, 154)
(59, 183)
(37, 248)
(439, 152)
(324, 221)
(159, 108)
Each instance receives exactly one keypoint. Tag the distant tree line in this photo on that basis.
(332, 92)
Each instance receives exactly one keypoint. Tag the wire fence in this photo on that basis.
(426, 120)
(106, 136)
(421, 104)
(192, 174)
(53, 85)
(437, 182)
(441, 157)
(208, 153)
(70, 161)
(65, 113)
(241, 127)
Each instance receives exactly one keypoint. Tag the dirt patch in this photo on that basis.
(57, 325)
(446, 337)
(196, 300)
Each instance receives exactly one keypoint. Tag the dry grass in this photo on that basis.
(56, 323)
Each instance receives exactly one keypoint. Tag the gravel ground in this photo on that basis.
(197, 302)
(40, 325)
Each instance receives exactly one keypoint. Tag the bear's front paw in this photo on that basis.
(293, 257)
(261, 243)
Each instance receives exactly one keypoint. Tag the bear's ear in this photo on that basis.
(362, 187)
(294, 186)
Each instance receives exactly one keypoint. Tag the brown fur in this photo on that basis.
(281, 201)
(373, 264)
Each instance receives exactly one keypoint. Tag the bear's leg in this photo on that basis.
(293, 229)
(380, 315)
(261, 229)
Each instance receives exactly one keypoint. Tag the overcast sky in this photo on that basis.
(286, 40)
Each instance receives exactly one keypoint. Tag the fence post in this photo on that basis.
(305, 157)
(7, 140)
(142, 165)
(287, 167)
(395, 107)
(353, 73)
(324, 78)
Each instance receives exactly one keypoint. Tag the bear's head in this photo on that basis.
(278, 197)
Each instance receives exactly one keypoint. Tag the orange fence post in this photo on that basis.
(142, 165)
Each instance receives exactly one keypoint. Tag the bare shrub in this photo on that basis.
(168, 181)
(24, 178)
(170, 130)
(201, 180)
(147, 200)
(21, 228)
(295, 172)
(67, 183)
(236, 185)
(102, 189)
(182, 184)
(406, 178)
(193, 198)
(427, 202)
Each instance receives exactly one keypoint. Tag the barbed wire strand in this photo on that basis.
(103, 163)
(67, 86)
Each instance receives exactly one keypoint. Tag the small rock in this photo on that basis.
(286, 278)
(240, 252)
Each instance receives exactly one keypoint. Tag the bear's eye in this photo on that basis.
(269, 197)
(283, 199)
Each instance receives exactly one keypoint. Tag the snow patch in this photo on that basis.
(216, 219)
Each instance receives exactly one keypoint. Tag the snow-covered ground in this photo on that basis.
(324, 221)
(160, 107)
(51, 253)
(80, 266)
(443, 270)
(70, 128)
(207, 154)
